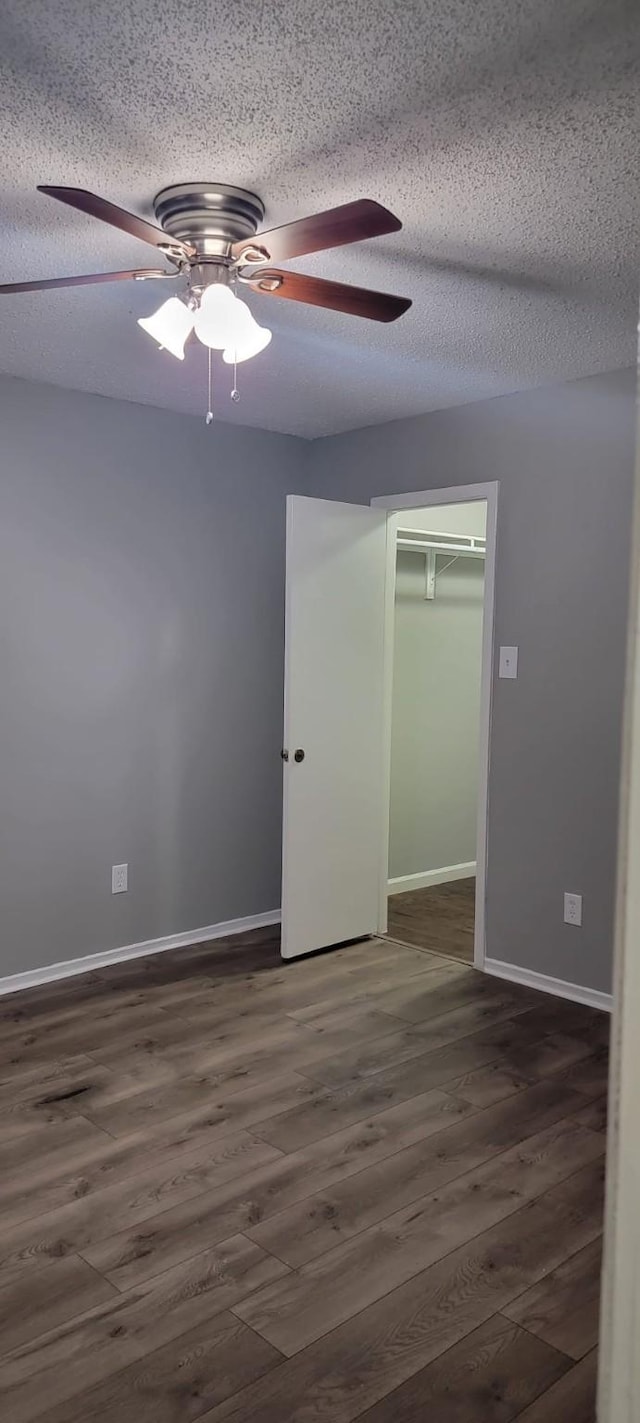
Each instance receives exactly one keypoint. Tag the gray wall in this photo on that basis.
(141, 616)
(564, 459)
(437, 658)
(141, 620)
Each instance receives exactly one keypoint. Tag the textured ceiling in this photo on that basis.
(504, 134)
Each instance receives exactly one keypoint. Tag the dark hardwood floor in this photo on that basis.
(364, 1186)
(440, 919)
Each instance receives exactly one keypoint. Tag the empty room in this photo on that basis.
(319, 724)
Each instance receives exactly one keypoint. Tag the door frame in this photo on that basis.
(423, 499)
(619, 1361)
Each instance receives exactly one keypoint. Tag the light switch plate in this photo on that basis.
(508, 662)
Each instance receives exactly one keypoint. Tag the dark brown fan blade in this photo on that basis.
(117, 217)
(337, 296)
(90, 279)
(335, 228)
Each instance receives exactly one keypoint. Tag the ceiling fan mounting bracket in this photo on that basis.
(171, 252)
(253, 256)
(210, 217)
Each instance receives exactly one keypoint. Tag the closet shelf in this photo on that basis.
(421, 541)
(431, 544)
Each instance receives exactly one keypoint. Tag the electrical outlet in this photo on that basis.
(573, 909)
(119, 879)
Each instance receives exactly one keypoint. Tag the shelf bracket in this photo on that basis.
(430, 574)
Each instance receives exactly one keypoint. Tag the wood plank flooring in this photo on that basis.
(440, 919)
(367, 1185)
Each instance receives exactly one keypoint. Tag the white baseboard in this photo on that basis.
(592, 997)
(70, 967)
(403, 883)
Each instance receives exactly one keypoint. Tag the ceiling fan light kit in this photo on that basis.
(208, 232)
(251, 345)
(169, 326)
(224, 323)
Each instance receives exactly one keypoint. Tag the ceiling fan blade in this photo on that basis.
(90, 279)
(337, 296)
(117, 217)
(335, 228)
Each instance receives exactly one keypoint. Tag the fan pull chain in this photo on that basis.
(209, 414)
(235, 393)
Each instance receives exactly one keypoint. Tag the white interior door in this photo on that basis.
(334, 792)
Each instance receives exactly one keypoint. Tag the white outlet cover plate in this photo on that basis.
(573, 909)
(119, 879)
(508, 666)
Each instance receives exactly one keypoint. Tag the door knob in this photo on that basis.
(298, 755)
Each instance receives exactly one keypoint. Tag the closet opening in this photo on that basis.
(438, 639)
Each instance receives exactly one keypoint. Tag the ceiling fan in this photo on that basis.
(209, 234)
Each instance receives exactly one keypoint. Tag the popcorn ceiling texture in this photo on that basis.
(504, 135)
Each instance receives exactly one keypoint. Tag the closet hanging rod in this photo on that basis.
(472, 545)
